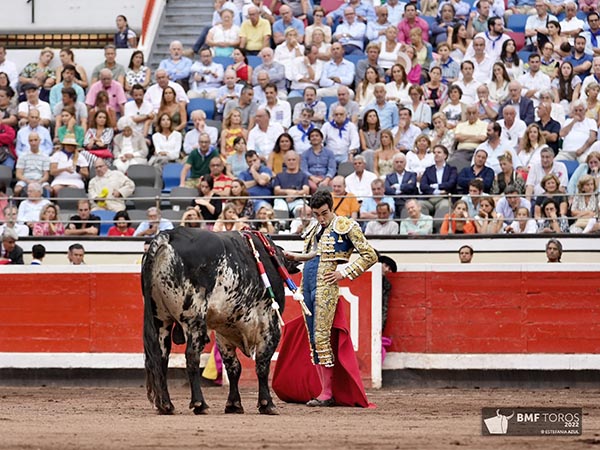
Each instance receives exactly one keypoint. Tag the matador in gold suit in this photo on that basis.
(329, 242)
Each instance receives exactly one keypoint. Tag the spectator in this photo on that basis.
(31, 208)
(264, 11)
(114, 89)
(421, 111)
(494, 38)
(513, 128)
(98, 138)
(265, 220)
(221, 180)
(446, 20)
(245, 105)
(384, 225)
(550, 222)
(571, 25)
(154, 93)
(236, 162)
(473, 196)
(228, 219)
(488, 109)
(224, 37)
(305, 72)
(263, 136)
(39, 73)
(76, 255)
(243, 71)
(551, 186)
(8, 112)
(389, 50)
(488, 221)
(591, 35)
(482, 62)
(585, 205)
(435, 92)
(401, 183)
(110, 63)
(67, 57)
(284, 144)
(10, 221)
(351, 107)
(441, 134)
(279, 110)
(125, 37)
(177, 66)
(287, 21)
(139, 111)
(191, 219)
(68, 167)
(554, 251)
(198, 118)
(255, 32)
(387, 111)
(376, 29)
(176, 110)
(311, 102)
(406, 132)
(274, 69)
(522, 224)
(477, 170)
(49, 223)
(507, 176)
(257, 179)
(9, 68)
(532, 143)
(129, 146)
(341, 136)
(579, 133)
(351, 33)
(420, 157)
(459, 40)
(409, 22)
(416, 223)
(454, 110)
(580, 62)
(538, 171)
(38, 253)
(208, 204)
(550, 127)
(167, 142)
(301, 131)
(154, 225)
(344, 203)
(198, 162)
(77, 110)
(206, 76)
(31, 103)
(370, 134)
(232, 128)
(465, 254)
(318, 15)
(368, 207)
(459, 221)
(84, 223)
(450, 68)
(318, 162)
(244, 205)
(68, 81)
(526, 107)
(468, 134)
(10, 252)
(468, 84)
(109, 187)
(537, 24)
(230, 91)
(590, 167)
(359, 181)
(32, 167)
(122, 225)
(509, 204)
(337, 72)
(438, 180)
(498, 87)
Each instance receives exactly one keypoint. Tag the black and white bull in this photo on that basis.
(209, 281)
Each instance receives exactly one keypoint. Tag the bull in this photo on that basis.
(199, 281)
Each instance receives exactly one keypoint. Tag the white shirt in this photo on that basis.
(414, 164)
(171, 144)
(536, 173)
(483, 69)
(540, 81)
(493, 154)
(469, 90)
(209, 81)
(281, 113)
(493, 45)
(191, 138)
(360, 187)
(299, 70)
(340, 145)
(263, 141)
(30, 211)
(285, 56)
(42, 106)
(580, 132)
(66, 178)
(132, 110)
(512, 135)
(10, 69)
(154, 95)
(571, 25)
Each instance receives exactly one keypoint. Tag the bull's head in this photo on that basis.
(291, 266)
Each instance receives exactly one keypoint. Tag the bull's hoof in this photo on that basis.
(165, 410)
(199, 408)
(234, 408)
(269, 409)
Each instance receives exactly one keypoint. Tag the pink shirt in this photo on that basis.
(116, 94)
(404, 30)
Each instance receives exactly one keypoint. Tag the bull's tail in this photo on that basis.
(156, 376)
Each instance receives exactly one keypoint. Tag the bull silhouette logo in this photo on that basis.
(499, 423)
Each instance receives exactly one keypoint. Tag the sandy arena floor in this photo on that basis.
(122, 418)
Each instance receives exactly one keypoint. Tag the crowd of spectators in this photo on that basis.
(418, 119)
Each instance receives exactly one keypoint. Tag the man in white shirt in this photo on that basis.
(9, 68)
(534, 81)
(359, 181)
(33, 166)
(341, 136)
(579, 133)
(305, 71)
(494, 39)
(280, 110)
(33, 102)
(301, 131)
(263, 136)
(139, 110)
(384, 225)
(206, 76)
(537, 24)
(154, 92)
(546, 166)
(513, 128)
(571, 25)
(198, 117)
(481, 61)
(310, 101)
(467, 83)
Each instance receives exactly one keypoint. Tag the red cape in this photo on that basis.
(295, 378)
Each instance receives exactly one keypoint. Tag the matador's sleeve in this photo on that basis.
(367, 257)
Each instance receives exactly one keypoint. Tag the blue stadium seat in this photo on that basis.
(524, 55)
(429, 19)
(516, 22)
(205, 104)
(355, 58)
(225, 61)
(254, 61)
(170, 176)
(106, 218)
(571, 167)
(328, 102)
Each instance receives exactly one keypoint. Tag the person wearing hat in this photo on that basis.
(67, 167)
(318, 162)
(32, 95)
(554, 250)
(10, 252)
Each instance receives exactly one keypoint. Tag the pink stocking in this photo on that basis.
(326, 383)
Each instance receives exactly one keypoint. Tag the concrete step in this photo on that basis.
(173, 32)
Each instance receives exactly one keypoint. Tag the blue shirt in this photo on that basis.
(388, 115)
(177, 71)
(56, 94)
(22, 145)
(344, 71)
(258, 190)
(321, 165)
(280, 27)
(578, 61)
(363, 10)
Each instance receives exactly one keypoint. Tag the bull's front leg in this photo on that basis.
(162, 400)
(264, 353)
(197, 338)
(234, 370)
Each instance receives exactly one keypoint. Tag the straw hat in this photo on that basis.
(69, 139)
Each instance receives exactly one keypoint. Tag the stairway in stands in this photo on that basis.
(182, 20)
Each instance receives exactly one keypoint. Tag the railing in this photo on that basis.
(170, 209)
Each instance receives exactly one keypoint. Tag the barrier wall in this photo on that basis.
(92, 317)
